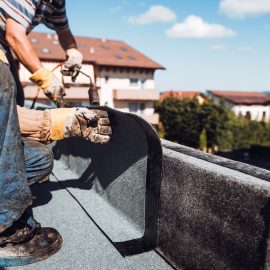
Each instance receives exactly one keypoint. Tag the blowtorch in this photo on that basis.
(93, 89)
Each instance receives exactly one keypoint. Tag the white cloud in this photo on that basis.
(244, 8)
(244, 49)
(219, 47)
(195, 27)
(155, 14)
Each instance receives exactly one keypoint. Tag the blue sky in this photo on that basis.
(209, 44)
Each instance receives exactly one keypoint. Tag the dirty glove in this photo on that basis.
(50, 84)
(73, 63)
(92, 125)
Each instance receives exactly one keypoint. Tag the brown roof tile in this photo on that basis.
(243, 98)
(99, 51)
(181, 94)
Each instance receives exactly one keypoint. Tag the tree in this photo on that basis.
(181, 120)
(209, 126)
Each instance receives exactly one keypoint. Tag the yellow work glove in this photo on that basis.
(92, 125)
(50, 84)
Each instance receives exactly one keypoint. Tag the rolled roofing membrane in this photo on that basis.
(117, 184)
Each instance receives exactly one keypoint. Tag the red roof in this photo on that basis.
(181, 94)
(98, 51)
(243, 98)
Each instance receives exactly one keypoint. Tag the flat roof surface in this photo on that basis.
(84, 245)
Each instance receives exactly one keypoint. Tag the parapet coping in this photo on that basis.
(224, 162)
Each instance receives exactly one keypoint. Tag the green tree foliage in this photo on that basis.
(209, 126)
(181, 120)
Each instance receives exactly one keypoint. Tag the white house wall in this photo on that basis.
(256, 111)
(121, 80)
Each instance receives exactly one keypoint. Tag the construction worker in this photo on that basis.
(24, 160)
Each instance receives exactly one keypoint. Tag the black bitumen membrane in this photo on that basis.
(214, 213)
(84, 245)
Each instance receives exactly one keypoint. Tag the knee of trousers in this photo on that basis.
(46, 165)
(47, 157)
(42, 169)
(38, 160)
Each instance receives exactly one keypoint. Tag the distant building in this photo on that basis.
(124, 75)
(184, 95)
(253, 105)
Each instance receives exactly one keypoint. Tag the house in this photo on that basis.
(253, 105)
(184, 95)
(124, 75)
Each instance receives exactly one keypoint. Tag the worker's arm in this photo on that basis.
(57, 124)
(67, 40)
(74, 57)
(17, 39)
(34, 124)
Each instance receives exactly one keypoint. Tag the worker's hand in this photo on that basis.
(92, 125)
(73, 63)
(50, 84)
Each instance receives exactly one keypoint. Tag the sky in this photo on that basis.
(203, 44)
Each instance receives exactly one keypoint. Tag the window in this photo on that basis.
(118, 56)
(46, 50)
(34, 40)
(92, 50)
(142, 84)
(248, 115)
(263, 115)
(136, 107)
(131, 58)
(134, 82)
(104, 47)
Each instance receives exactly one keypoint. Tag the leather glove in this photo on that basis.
(73, 63)
(50, 84)
(92, 125)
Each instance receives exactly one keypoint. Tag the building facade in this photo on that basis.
(124, 75)
(253, 105)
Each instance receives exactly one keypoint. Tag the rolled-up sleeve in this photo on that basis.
(22, 11)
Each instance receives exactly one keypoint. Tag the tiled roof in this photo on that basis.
(181, 94)
(243, 98)
(99, 51)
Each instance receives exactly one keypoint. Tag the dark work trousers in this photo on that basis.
(14, 70)
(22, 162)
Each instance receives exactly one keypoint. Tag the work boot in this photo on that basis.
(26, 242)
